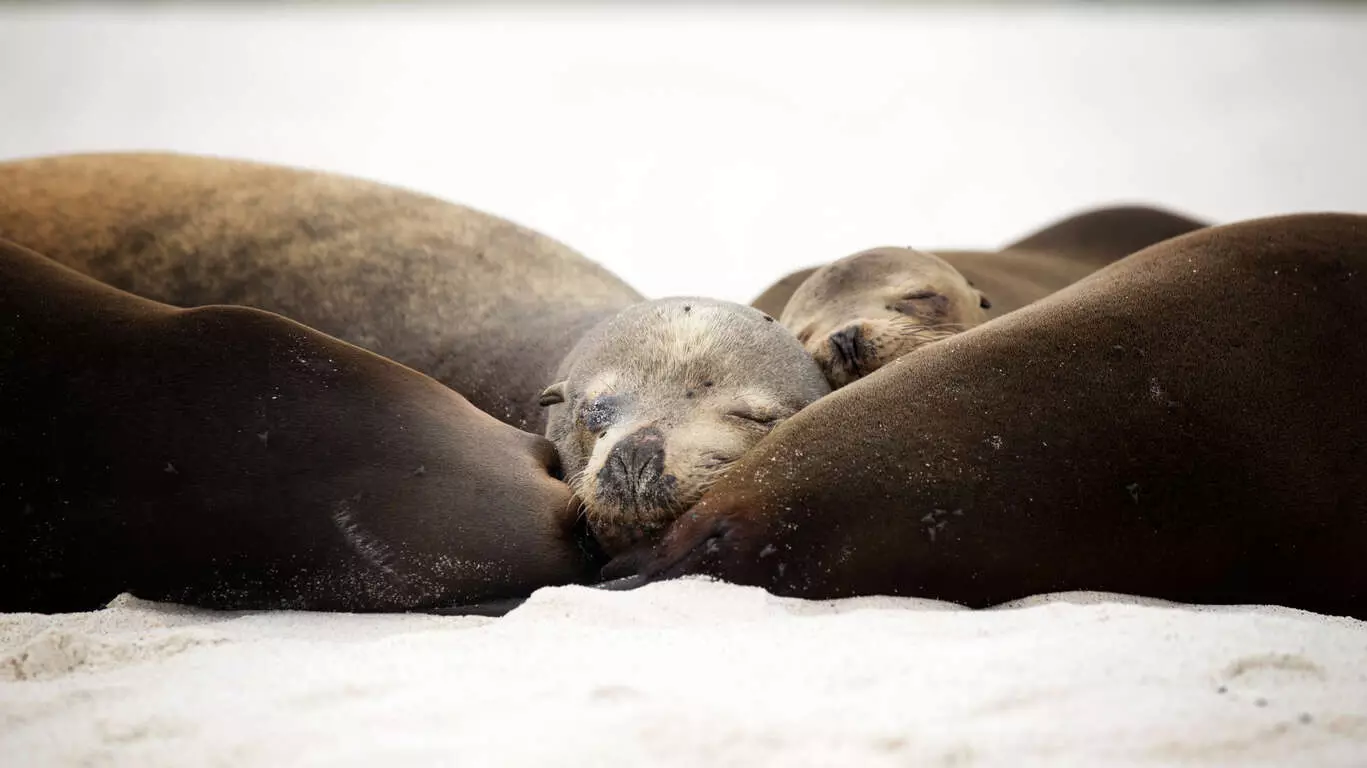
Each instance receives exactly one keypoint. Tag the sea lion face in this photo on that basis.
(655, 403)
(864, 311)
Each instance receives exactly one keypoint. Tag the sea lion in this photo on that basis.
(1180, 425)
(856, 314)
(483, 305)
(657, 402)
(1038, 264)
(230, 458)
(487, 307)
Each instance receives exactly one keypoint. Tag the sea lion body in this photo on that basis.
(1183, 425)
(479, 303)
(230, 458)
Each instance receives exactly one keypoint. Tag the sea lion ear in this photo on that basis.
(983, 301)
(553, 394)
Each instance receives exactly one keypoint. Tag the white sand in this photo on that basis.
(687, 673)
(697, 152)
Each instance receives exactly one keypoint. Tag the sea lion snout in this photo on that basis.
(844, 363)
(635, 469)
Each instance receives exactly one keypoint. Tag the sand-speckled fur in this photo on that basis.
(1184, 424)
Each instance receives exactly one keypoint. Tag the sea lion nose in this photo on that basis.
(637, 460)
(845, 344)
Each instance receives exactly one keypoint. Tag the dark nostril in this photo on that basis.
(845, 343)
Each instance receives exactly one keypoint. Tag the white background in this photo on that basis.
(700, 150)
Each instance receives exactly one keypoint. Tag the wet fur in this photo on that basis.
(230, 458)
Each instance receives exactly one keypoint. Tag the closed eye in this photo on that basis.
(764, 419)
(924, 303)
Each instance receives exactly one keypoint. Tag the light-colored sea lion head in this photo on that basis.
(655, 403)
(862, 312)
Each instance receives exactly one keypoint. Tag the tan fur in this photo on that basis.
(857, 314)
(483, 305)
(1041, 263)
(678, 370)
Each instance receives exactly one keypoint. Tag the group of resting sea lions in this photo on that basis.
(245, 386)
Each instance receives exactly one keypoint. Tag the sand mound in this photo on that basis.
(685, 673)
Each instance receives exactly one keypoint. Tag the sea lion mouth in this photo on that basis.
(619, 527)
(690, 547)
(862, 348)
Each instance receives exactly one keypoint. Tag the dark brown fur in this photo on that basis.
(1185, 424)
(227, 457)
(482, 305)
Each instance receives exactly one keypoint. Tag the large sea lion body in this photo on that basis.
(482, 305)
(656, 403)
(1183, 424)
(1041, 263)
(230, 458)
(488, 308)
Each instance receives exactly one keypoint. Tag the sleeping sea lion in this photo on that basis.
(230, 458)
(1182, 425)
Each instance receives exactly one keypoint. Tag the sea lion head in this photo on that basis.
(655, 403)
(857, 314)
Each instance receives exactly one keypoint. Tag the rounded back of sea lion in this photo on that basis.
(230, 458)
(861, 312)
(1064, 252)
(481, 304)
(1100, 236)
(1181, 425)
(657, 402)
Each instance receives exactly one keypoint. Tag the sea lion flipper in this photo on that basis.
(494, 608)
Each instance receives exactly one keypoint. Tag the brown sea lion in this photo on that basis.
(656, 403)
(1043, 262)
(478, 303)
(1182, 425)
(487, 307)
(861, 312)
(229, 458)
